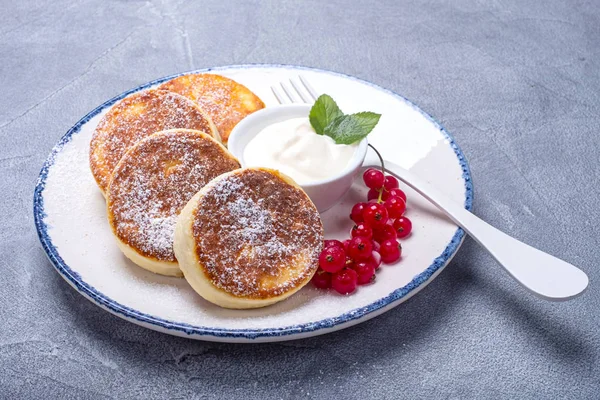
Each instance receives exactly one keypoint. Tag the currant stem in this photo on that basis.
(380, 158)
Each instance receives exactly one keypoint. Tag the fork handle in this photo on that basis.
(543, 274)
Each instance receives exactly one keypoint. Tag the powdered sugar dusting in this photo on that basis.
(226, 101)
(155, 229)
(255, 223)
(257, 236)
(155, 181)
(138, 117)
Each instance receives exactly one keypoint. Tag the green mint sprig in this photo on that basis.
(327, 119)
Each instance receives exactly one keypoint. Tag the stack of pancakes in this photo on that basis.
(246, 238)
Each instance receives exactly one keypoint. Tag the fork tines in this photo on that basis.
(295, 93)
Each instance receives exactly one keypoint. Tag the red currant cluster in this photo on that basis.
(379, 224)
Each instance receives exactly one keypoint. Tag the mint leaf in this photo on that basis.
(323, 112)
(347, 129)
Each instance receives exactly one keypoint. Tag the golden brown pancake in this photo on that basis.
(136, 117)
(224, 100)
(152, 183)
(248, 239)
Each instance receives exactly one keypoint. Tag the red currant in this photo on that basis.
(375, 259)
(394, 192)
(365, 272)
(362, 230)
(356, 213)
(346, 244)
(375, 215)
(360, 248)
(375, 245)
(384, 232)
(373, 178)
(390, 182)
(344, 281)
(332, 259)
(403, 227)
(321, 279)
(390, 251)
(395, 206)
(373, 194)
(333, 243)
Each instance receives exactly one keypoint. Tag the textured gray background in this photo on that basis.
(517, 83)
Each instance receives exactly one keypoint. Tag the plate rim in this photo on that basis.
(207, 333)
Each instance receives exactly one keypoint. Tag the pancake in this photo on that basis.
(224, 100)
(248, 239)
(136, 117)
(152, 183)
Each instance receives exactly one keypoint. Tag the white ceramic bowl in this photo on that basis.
(324, 193)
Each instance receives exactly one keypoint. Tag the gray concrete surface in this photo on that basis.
(516, 82)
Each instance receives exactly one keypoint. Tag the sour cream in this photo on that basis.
(295, 149)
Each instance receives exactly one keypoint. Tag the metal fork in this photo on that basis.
(543, 274)
(308, 95)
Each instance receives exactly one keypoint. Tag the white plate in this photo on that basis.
(70, 218)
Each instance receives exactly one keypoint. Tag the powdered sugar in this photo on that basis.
(255, 223)
(136, 118)
(153, 183)
(225, 188)
(226, 101)
(257, 236)
(155, 230)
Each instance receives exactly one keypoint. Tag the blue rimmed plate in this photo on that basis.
(70, 218)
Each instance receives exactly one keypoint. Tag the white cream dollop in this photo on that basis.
(295, 149)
